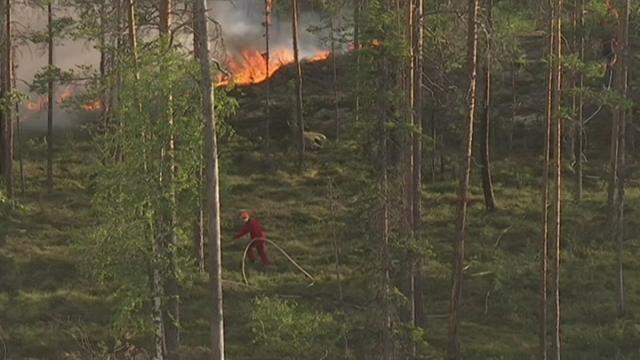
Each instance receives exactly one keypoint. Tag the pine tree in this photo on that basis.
(453, 350)
(212, 188)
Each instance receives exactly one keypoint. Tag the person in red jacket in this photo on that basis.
(258, 238)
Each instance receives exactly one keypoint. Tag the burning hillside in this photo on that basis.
(64, 96)
(251, 67)
(317, 76)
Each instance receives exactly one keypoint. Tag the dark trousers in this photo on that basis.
(261, 246)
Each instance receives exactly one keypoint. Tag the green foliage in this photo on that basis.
(285, 330)
(129, 191)
(52, 73)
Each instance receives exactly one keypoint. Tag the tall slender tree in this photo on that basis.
(579, 101)
(417, 29)
(485, 117)
(267, 35)
(618, 149)
(6, 83)
(168, 236)
(557, 169)
(157, 274)
(298, 88)
(544, 246)
(334, 69)
(453, 350)
(50, 90)
(212, 188)
(18, 141)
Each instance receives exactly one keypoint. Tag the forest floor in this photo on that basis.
(49, 309)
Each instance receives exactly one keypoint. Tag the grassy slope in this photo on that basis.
(50, 307)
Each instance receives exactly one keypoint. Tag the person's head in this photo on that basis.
(245, 216)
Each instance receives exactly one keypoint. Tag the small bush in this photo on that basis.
(285, 330)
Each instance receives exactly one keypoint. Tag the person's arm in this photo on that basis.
(245, 229)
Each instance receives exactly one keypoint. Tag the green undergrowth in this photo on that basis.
(50, 308)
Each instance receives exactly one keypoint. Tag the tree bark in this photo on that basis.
(267, 35)
(617, 160)
(3, 87)
(50, 101)
(453, 350)
(6, 84)
(419, 318)
(579, 147)
(544, 246)
(296, 57)
(387, 330)
(212, 189)
(356, 47)
(171, 308)
(334, 71)
(557, 180)
(485, 119)
(18, 126)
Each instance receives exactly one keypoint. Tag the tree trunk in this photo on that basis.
(8, 118)
(453, 350)
(417, 115)
(199, 223)
(267, 26)
(514, 105)
(485, 119)
(171, 308)
(6, 121)
(50, 101)
(158, 281)
(117, 86)
(334, 69)
(133, 38)
(102, 44)
(356, 47)
(579, 147)
(387, 330)
(212, 189)
(3, 87)
(557, 181)
(618, 133)
(296, 57)
(18, 126)
(385, 231)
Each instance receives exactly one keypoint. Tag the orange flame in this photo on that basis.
(322, 55)
(94, 106)
(67, 94)
(251, 66)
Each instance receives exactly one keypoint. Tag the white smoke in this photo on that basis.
(241, 22)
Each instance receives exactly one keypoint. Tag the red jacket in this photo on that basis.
(254, 228)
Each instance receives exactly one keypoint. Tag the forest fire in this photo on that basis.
(251, 66)
(67, 94)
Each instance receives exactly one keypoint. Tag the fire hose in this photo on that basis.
(246, 250)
